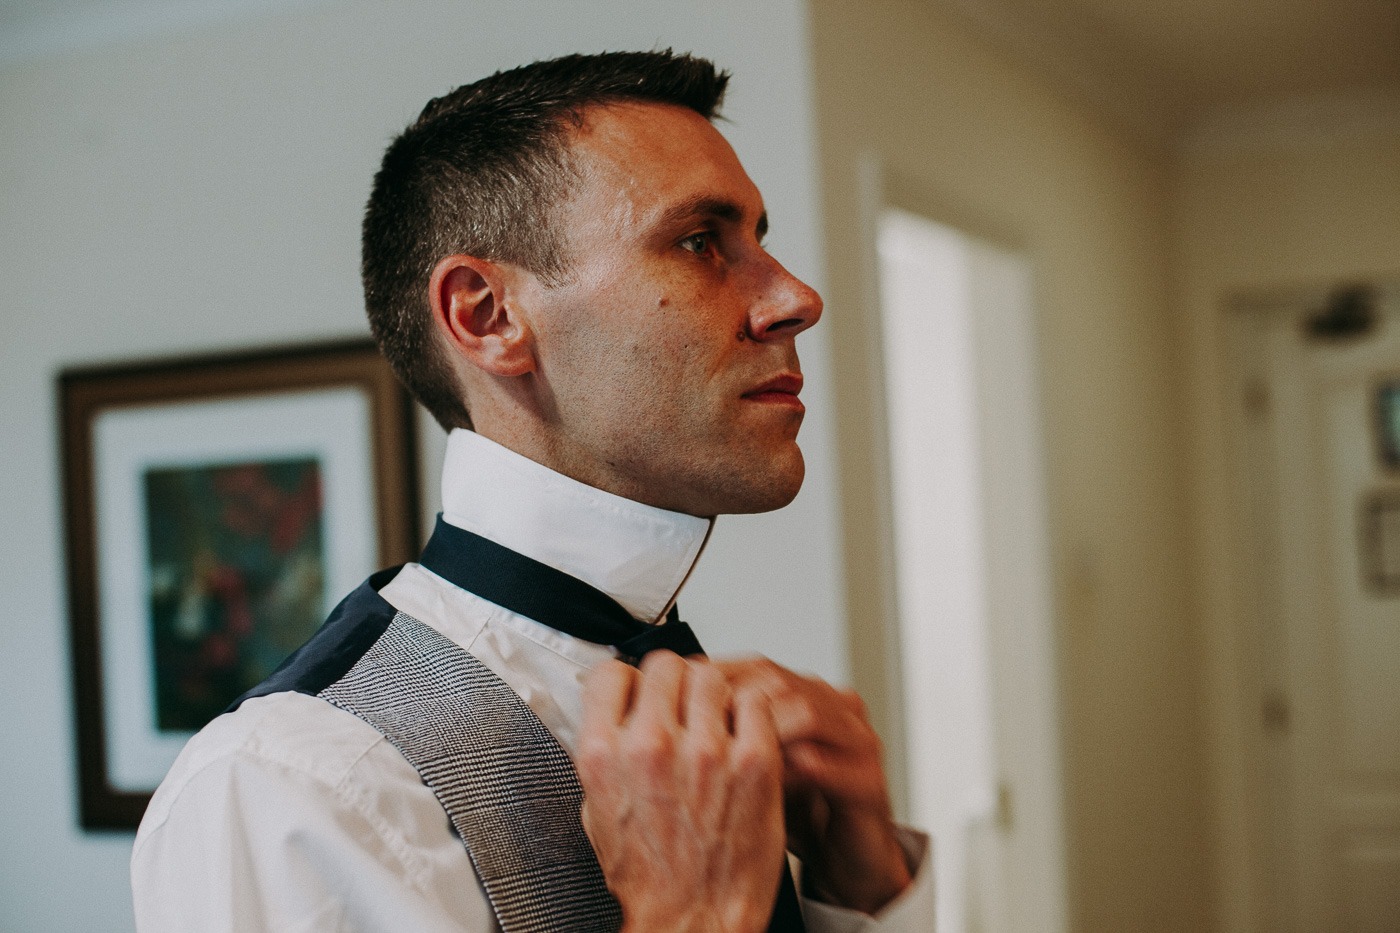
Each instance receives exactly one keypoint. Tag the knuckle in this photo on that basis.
(661, 662)
(705, 756)
(650, 749)
(756, 758)
(804, 718)
(706, 674)
(713, 686)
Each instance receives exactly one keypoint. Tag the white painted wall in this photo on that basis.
(202, 190)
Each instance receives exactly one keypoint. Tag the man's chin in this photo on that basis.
(772, 489)
(754, 482)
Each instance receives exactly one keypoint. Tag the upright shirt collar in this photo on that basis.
(637, 554)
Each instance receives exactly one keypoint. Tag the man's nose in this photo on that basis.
(787, 308)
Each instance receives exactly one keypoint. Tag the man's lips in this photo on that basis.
(780, 390)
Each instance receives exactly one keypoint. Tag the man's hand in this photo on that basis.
(839, 819)
(682, 795)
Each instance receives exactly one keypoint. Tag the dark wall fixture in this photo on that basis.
(1349, 314)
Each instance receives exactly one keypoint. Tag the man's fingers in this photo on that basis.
(804, 718)
(660, 689)
(836, 800)
(708, 701)
(686, 818)
(805, 709)
(607, 696)
(812, 764)
(752, 672)
(753, 721)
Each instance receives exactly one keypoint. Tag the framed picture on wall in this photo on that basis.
(1387, 419)
(216, 508)
(1380, 541)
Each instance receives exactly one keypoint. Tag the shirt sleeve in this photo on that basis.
(910, 912)
(248, 844)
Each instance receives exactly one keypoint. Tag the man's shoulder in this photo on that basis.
(299, 737)
(296, 730)
(274, 811)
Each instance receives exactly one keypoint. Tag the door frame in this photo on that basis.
(1033, 770)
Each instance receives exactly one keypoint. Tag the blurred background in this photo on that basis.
(1101, 510)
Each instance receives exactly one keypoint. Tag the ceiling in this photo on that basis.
(1156, 66)
(1162, 66)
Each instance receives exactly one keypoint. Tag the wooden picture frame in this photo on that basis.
(217, 508)
(1380, 541)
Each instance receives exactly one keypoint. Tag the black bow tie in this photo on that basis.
(549, 596)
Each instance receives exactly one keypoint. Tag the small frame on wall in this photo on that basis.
(216, 508)
(1387, 420)
(1380, 541)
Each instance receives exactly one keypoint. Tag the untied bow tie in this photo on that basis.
(549, 596)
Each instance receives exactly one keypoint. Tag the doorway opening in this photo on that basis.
(972, 574)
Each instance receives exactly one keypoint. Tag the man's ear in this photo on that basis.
(473, 313)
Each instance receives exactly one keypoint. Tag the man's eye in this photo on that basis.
(697, 242)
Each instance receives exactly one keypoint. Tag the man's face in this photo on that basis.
(666, 360)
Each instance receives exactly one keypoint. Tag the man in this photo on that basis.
(564, 263)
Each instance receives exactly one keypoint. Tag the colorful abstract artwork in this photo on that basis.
(236, 579)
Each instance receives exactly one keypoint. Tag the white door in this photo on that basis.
(1324, 541)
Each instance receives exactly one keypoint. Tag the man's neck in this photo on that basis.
(636, 553)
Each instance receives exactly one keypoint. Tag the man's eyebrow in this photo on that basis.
(710, 206)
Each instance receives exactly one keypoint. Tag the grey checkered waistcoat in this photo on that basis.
(508, 787)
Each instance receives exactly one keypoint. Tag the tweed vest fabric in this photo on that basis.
(507, 786)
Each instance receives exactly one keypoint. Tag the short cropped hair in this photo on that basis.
(481, 172)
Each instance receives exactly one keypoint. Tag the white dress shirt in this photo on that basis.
(293, 815)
